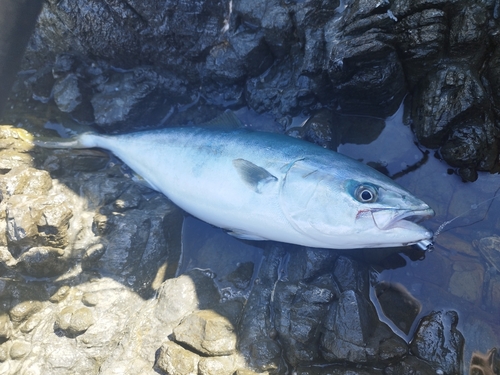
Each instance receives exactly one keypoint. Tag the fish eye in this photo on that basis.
(366, 194)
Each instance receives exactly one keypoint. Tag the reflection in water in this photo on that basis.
(485, 364)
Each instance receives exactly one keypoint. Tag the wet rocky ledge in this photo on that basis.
(89, 285)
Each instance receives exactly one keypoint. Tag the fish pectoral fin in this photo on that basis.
(258, 178)
(242, 235)
(138, 179)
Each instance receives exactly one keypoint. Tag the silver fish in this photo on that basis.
(263, 186)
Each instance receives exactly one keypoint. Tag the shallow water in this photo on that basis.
(454, 276)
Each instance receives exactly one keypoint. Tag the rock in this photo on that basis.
(217, 366)
(410, 365)
(351, 275)
(245, 53)
(24, 310)
(391, 349)
(27, 181)
(6, 257)
(438, 341)
(299, 311)
(493, 294)
(67, 93)
(5, 327)
(4, 352)
(348, 325)
(441, 98)
(256, 335)
(242, 276)
(74, 321)
(174, 359)
(133, 96)
(181, 296)
(319, 129)
(489, 247)
(92, 255)
(60, 294)
(19, 349)
(424, 43)
(484, 364)
(207, 332)
(60, 162)
(467, 280)
(43, 262)
(468, 32)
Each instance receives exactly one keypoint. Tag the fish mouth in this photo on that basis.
(386, 219)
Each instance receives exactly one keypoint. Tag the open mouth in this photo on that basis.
(389, 218)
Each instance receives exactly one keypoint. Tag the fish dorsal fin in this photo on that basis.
(227, 120)
(256, 177)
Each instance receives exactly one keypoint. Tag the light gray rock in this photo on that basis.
(74, 321)
(207, 332)
(174, 359)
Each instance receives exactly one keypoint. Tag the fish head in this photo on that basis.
(357, 207)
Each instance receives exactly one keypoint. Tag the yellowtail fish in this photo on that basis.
(263, 186)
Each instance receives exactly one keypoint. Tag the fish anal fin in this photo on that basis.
(242, 235)
(258, 178)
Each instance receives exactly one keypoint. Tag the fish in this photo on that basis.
(267, 186)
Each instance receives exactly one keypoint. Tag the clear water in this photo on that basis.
(452, 277)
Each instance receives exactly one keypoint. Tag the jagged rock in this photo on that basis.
(438, 341)
(299, 311)
(256, 338)
(349, 324)
(351, 275)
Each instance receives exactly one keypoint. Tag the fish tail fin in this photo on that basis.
(85, 140)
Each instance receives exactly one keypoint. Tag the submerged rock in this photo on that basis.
(438, 341)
